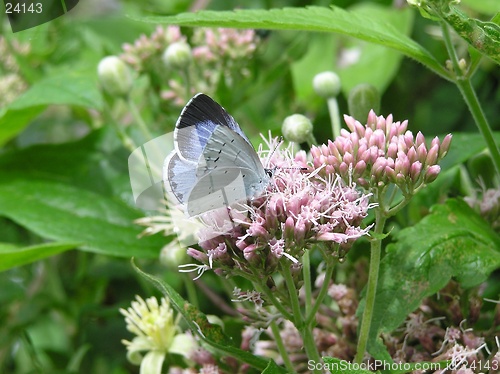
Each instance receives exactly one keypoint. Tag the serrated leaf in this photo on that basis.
(65, 213)
(452, 241)
(13, 255)
(483, 36)
(198, 324)
(312, 18)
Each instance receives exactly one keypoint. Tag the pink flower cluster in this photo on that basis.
(382, 152)
(232, 44)
(299, 209)
(146, 51)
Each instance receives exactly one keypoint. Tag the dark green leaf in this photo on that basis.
(13, 255)
(198, 323)
(322, 19)
(13, 121)
(453, 241)
(64, 213)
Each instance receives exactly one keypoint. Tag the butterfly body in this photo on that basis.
(213, 164)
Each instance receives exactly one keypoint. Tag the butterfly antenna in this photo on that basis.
(280, 142)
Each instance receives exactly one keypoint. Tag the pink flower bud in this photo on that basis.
(348, 158)
(392, 150)
(379, 138)
(402, 164)
(343, 169)
(412, 155)
(289, 229)
(350, 122)
(400, 179)
(435, 141)
(432, 173)
(403, 126)
(390, 174)
(372, 119)
(432, 155)
(408, 137)
(359, 169)
(415, 170)
(422, 153)
(420, 139)
(445, 146)
(197, 255)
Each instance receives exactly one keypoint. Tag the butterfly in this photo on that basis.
(213, 163)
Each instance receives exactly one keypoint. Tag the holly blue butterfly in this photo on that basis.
(213, 164)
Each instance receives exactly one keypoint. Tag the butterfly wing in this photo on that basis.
(196, 124)
(180, 176)
(217, 189)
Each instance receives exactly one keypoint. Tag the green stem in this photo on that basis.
(294, 296)
(333, 109)
(310, 347)
(311, 317)
(304, 330)
(281, 347)
(375, 250)
(277, 304)
(306, 270)
(465, 86)
(138, 119)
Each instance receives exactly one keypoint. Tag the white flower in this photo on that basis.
(156, 333)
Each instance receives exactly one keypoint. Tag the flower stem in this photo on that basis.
(281, 347)
(465, 86)
(294, 297)
(375, 250)
(298, 320)
(138, 119)
(333, 109)
(311, 316)
(306, 270)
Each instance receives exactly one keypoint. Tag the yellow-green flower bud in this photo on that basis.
(297, 128)
(115, 76)
(327, 84)
(362, 99)
(178, 55)
(172, 255)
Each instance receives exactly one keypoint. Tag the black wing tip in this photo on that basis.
(200, 107)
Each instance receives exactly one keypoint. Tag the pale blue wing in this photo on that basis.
(226, 148)
(197, 122)
(220, 188)
(179, 177)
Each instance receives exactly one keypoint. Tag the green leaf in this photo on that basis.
(453, 241)
(312, 18)
(376, 65)
(62, 87)
(65, 213)
(210, 334)
(96, 163)
(483, 36)
(13, 255)
(272, 368)
(13, 121)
